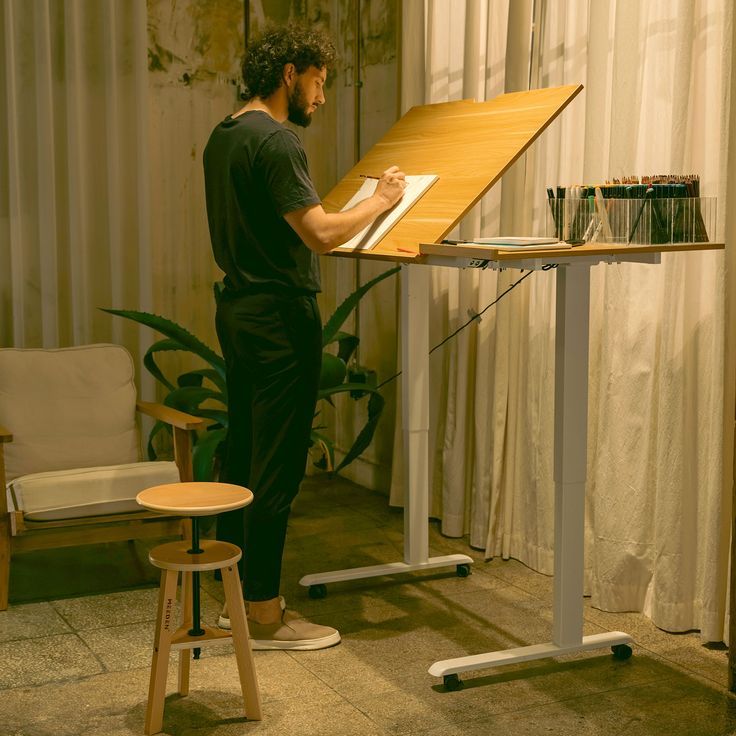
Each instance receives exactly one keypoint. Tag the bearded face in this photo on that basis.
(299, 107)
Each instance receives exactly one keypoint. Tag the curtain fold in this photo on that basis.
(71, 95)
(656, 99)
(729, 373)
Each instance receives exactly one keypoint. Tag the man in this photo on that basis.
(267, 226)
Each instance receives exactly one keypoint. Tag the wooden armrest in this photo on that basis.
(166, 414)
(5, 436)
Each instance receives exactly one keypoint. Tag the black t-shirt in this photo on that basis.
(255, 172)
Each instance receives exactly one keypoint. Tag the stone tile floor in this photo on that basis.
(75, 648)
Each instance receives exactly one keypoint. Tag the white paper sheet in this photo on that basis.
(367, 238)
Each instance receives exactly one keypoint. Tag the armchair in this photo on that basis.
(70, 459)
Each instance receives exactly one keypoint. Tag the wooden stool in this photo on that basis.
(195, 500)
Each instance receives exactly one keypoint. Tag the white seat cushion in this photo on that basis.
(76, 493)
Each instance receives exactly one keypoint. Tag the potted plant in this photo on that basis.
(203, 391)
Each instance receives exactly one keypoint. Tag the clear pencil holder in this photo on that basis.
(633, 221)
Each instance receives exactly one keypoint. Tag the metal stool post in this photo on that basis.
(195, 549)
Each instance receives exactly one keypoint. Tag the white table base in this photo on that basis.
(570, 443)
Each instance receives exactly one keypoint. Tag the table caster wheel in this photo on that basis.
(452, 682)
(463, 570)
(318, 591)
(621, 651)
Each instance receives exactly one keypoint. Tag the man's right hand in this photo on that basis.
(390, 187)
(322, 231)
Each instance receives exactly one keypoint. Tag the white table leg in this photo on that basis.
(415, 428)
(570, 447)
(571, 417)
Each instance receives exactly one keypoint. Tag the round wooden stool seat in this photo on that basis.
(176, 556)
(189, 558)
(194, 499)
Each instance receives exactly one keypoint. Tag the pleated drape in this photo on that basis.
(73, 205)
(657, 100)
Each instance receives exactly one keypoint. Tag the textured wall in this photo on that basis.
(194, 55)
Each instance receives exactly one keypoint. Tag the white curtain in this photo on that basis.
(105, 108)
(657, 99)
(74, 212)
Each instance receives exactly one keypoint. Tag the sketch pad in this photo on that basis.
(416, 186)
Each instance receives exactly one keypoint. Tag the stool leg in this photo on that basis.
(165, 628)
(241, 642)
(185, 655)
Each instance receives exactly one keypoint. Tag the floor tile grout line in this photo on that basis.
(92, 652)
(318, 677)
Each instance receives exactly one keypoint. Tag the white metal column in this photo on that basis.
(415, 429)
(415, 410)
(570, 448)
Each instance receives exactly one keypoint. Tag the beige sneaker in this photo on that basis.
(292, 633)
(224, 621)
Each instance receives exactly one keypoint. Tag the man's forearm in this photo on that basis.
(323, 231)
(341, 226)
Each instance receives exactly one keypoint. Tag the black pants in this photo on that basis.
(272, 345)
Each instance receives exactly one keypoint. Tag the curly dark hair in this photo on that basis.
(277, 46)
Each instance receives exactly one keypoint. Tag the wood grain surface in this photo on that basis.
(194, 498)
(493, 253)
(469, 145)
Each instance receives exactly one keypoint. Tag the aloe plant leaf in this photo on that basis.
(203, 454)
(346, 345)
(194, 378)
(332, 372)
(340, 335)
(220, 416)
(150, 362)
(188, 398)
(157, 427)
(190, 378)
(336, 321)
(365, 436)
(175, 332)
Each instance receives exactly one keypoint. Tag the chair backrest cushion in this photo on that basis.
(67, 408)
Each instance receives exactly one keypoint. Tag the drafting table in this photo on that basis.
(469, 146)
